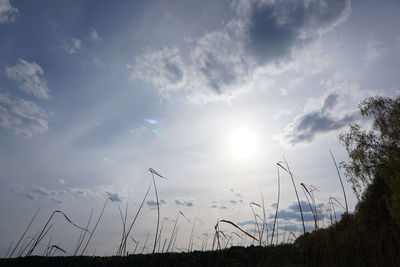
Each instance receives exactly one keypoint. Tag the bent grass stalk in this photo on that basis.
(153, 172)
(305, 191)
(237, 227)
(40, 237)
(295, 190)
(341, 182)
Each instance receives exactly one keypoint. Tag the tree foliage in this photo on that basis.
(374, 166)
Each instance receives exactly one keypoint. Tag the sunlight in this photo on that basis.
(243, 143)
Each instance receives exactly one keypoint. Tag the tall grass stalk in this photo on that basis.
(171, 239)
(263, 220)
(41, 235)
(9, 248)
(153, 172)
(80, 241)
(341, 182)
(307, 194)
(191, 235)
(237, 227)
(277, 208)
(295, 190)
(145, 242)
(95, 227)
(22, 236)
(136, 215)
(257, 226)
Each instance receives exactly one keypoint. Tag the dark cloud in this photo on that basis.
(153, 203)
(221, 63)
(215, 206)
(184, 203)
(234, 202)
(245, 223)
(19, 191)
(292, 212)
(275, 28)
(305, 207)
(308, 125)
(114, 197)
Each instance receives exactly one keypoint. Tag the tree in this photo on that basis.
(374, 166)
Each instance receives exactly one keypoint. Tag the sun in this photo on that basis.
(243, 143)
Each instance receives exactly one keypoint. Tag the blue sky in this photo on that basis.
(94, 93)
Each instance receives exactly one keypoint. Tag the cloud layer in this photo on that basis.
(29, 78)
(221, 63)
(317, 118)
(72, 46)
(21, 116)
(7, 11)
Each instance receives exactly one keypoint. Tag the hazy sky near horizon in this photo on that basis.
(210, 94)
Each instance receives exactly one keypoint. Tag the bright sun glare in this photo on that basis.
(243, 143)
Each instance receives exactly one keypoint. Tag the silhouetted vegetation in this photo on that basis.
(368, 237)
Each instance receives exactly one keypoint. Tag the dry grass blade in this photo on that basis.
(243, 231)
(234, 233)
(156, 173)
(158, 210)
(137, 214)
(26, 230)
(337, 201)
(184, 216)
(297, 195)
(255, 204)
(191, 235)
(257, 227)
(263, 220)
(341, 182)
(9, 248)
(58, 248)
(80, 241)
(145, 243)
(277, 207)
(77, 226)
(136, 242)
(45, 253)
(313, 209)
(173, 232)
(94, 229)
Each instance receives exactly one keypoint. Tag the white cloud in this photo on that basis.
(268, 35)
(283, 91)
(72, 46)
(22, 117)
(324, 114)
(94, 36)
(29, 78)
(373, 50)
(7, 11)
(163, 68)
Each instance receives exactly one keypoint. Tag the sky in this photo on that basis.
(210, 94)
